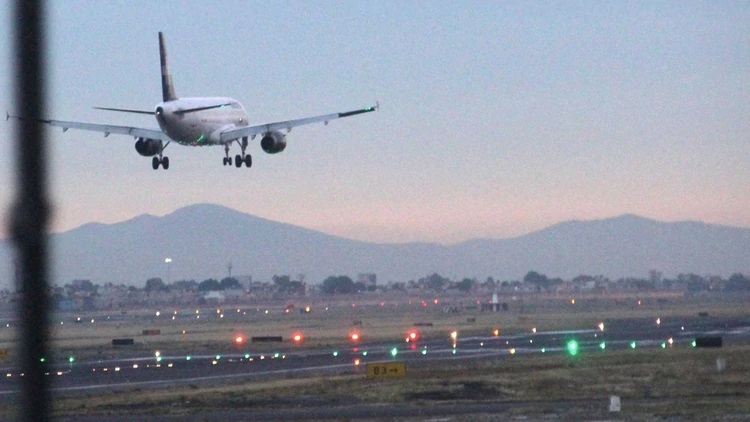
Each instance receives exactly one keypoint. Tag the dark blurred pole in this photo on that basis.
(30, 210)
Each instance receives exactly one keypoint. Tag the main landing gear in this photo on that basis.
(239, 159)
(160, 161)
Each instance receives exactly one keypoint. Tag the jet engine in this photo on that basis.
(148, 147)
(273, 142)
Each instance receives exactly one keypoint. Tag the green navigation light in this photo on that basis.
(572, 347)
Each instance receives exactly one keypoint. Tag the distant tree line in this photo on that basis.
(532, 281)
(157, 285)
(691, 283)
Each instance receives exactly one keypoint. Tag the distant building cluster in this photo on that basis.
(85, 295)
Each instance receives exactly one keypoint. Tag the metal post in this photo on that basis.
(30, 211)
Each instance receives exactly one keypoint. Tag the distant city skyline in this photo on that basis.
(497, 118)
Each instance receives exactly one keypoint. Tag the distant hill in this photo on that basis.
(202, 239)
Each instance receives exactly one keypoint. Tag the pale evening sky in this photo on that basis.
(497, 118)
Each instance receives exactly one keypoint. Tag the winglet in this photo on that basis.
(167, 89)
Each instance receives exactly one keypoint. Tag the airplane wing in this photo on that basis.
(106, 129)
(287, 125)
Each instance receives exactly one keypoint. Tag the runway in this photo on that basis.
(156, 370)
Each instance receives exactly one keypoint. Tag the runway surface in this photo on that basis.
(155, 370)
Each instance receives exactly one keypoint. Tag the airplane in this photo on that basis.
(198, 121)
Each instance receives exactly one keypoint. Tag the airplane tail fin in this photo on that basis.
(167, 89)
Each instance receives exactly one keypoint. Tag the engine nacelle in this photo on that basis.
(273, 142)
(148, 147)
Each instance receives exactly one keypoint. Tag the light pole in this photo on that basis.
(169, 278)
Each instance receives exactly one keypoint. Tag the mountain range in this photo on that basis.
(203, 239)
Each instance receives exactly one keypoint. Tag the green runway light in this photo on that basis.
(247, 355)
(394, 352)
(71, 359)
(632, 345)
(43, 360)
(335, 353)
(693, 343)
(544, 350)
(602, 345)
(424, 351)
(188, 357)
(663, 345)
(572, 347)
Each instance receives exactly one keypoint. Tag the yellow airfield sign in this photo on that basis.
(386, 369)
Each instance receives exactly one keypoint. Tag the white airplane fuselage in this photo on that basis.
(200, 128)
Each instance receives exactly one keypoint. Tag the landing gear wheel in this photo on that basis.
(227, 158)
(160, 161)
(238, 161)
(248, 161)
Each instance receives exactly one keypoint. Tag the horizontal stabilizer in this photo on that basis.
(125, 110)
(192, 110)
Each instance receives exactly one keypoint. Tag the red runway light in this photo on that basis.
(354, 336)
(239, 339)
(297, 337)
